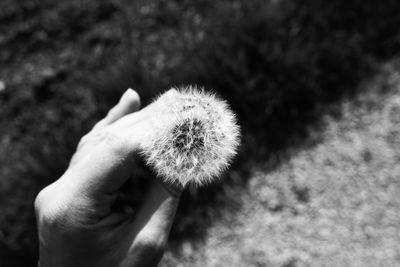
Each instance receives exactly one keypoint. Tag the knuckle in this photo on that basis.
(113, 140)
(47, 217)
(83, 140)
(105, 136)
(111, 112)
(53, 215)
(41, 199)
(47, 207)
(43, 212)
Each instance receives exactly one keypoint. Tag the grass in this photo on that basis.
(283, 65)
(331, 203)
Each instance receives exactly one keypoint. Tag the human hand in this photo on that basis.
(77, 224)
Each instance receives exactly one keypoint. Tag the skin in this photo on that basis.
(77, 223)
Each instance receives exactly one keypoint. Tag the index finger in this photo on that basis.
(129, 102)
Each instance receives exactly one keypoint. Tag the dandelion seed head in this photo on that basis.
(195, 136)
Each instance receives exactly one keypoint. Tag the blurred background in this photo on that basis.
(315, 84)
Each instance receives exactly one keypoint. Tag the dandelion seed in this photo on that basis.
(195, 137)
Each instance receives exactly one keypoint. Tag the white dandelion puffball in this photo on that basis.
(194, 137)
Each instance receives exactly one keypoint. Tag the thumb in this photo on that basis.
(152, 224)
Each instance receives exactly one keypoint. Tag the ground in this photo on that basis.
(315, 86)
(333, 203)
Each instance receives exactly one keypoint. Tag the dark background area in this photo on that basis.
(280, 64)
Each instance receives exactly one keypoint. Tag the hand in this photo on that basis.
(76, 221)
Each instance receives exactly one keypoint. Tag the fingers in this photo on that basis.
(129, 102)
(148, 113)
(105, 163)
(102, 156)
(154, 219)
